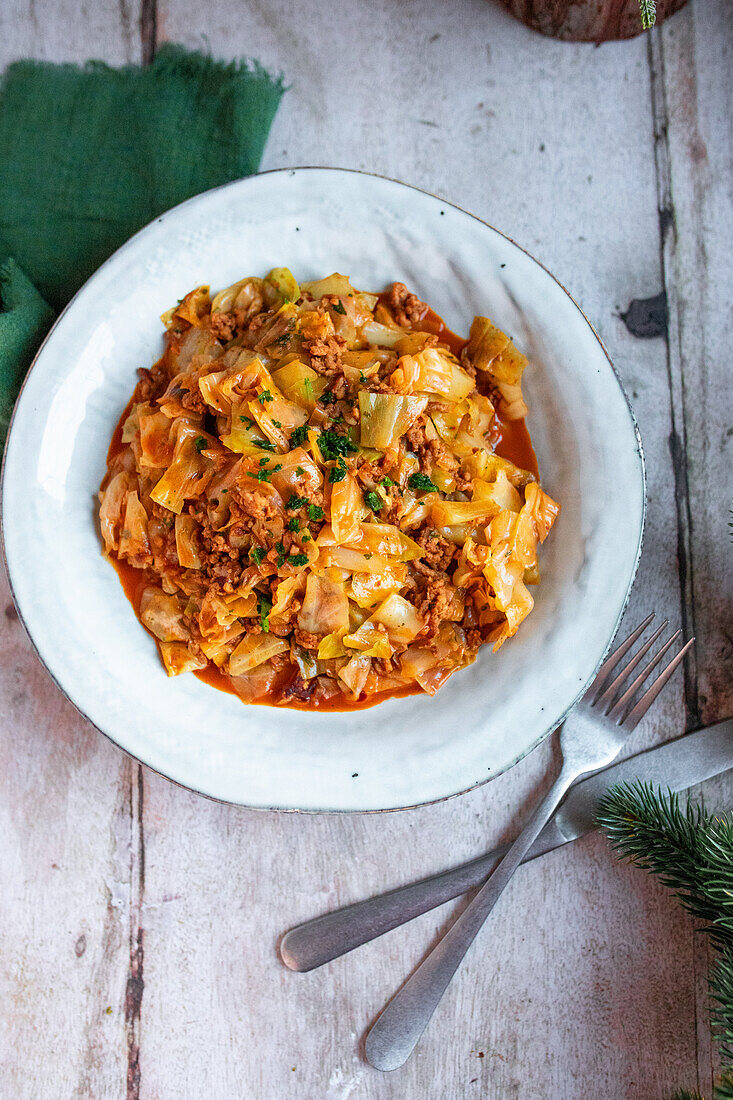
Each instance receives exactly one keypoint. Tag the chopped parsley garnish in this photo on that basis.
(265, 475)
(280, 554)
(277, 423)
(327, 398)
(264, 396)
(315, 512)
(200, 443)
(387, 483)
(421, 481)
(298, 559)
(338, 473)
(264, 461)
(294, 524)
(266, 445)
(296, 502)
(305, 537)
(264, 607)
(333, 445)
(362, 378)
(299, 471)
(372, 501)
(257, 554)
(338, 307)
(298, 436)
(248, 421)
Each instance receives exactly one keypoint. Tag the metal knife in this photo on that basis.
(678, 764)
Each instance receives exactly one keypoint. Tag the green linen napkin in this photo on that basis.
(90, 154)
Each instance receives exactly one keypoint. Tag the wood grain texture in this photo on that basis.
(68, 30)
(589, 981)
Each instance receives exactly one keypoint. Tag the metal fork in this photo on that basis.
(590, 738)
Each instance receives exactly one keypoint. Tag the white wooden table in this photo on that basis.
(138, 920)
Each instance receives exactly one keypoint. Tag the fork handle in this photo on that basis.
(398, 1028)
(333, 934)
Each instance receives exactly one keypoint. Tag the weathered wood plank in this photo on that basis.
(690, 63)
(69, 854)
(65, 904)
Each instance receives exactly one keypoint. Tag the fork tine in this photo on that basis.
(606, 697)
(619, 706)
(613, 658)
(638, 711)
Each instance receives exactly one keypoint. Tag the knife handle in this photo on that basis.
(322, 939)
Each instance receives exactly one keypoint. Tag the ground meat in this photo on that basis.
(306, 639)
(407, 308)
(433, 599)
(325, 354)
(439, 552)
(193, 400)
(301, 689)
(223, 326)
(153, 382)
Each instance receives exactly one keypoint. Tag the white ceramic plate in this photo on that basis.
(402, 752)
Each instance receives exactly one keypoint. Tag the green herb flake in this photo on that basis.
(299, 471)
(328, 398)
(332, 445)
(265, 475)
(264, 396)
(372, 501)
(266, 445)
(338, 473)
(294, 524)
(257, 554)
(305, 537)
(298, 559)
(299, 436)
(338, 307)
(423, 482)
(264, 607)
(315, 512)
(264, 461)
(200, 443)
(280, 554)
(247, 421)
(277, 423)
(295, 502)
(362, 378)
(387, 483)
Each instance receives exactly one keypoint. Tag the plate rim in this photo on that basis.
(639, 450)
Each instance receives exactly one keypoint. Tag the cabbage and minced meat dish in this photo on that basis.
(306, 490)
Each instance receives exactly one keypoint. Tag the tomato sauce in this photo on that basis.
(509, 438)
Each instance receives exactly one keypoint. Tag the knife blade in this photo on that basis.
(677, 764)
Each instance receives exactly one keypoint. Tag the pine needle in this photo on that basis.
(648, 10)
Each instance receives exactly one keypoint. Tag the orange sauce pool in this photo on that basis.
(510, 440)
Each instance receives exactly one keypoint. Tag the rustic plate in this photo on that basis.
(404, 752)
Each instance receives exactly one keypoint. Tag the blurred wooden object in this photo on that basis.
(587, 20)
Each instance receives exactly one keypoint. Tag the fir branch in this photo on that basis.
(692, 853)
(648, 10)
